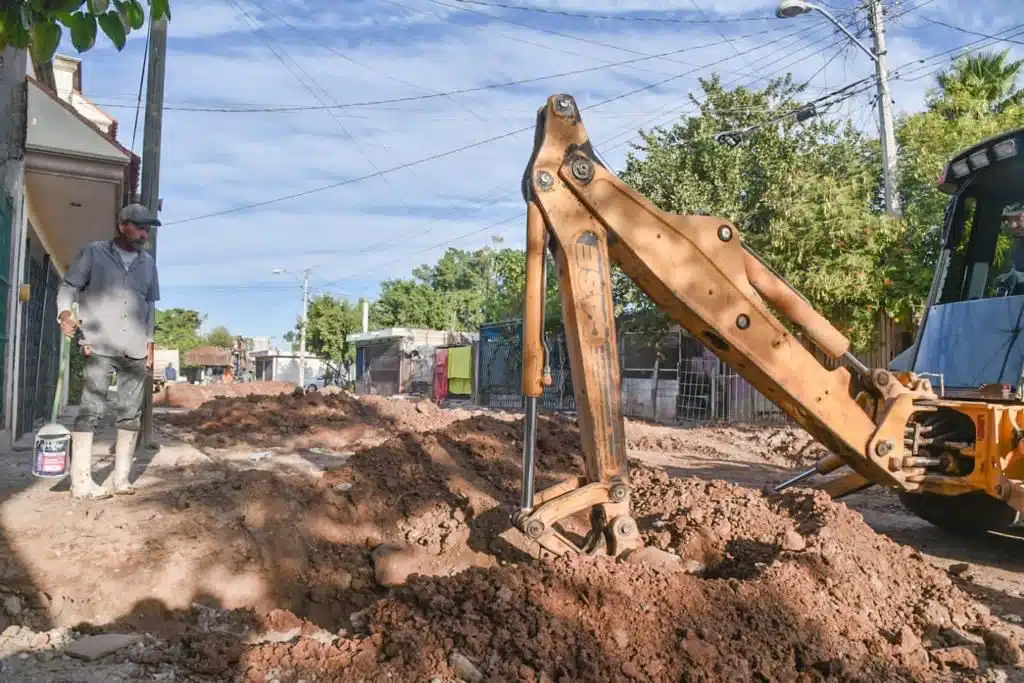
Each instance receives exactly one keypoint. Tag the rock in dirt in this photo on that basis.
(392, 565)
(956, 657)
(12, 605)
(1000, 647)
(464, 668)
(655, 557)
(958, 569)
(95, 647)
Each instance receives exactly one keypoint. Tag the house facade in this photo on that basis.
(65, 176)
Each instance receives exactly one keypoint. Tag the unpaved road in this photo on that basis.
(252, 555)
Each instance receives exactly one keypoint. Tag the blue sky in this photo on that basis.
(266, 54)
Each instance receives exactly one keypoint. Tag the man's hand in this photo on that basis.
(68, 323)
(150, 353)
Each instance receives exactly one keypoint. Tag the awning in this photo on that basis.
(76, 177)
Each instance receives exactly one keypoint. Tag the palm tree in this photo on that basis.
(985, 82)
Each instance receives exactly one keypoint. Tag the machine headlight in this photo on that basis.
(960, 168)
(1005, 149)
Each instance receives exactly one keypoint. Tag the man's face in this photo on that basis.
(135, 234)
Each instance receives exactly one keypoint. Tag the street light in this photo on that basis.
(305, 319)
(788, 9)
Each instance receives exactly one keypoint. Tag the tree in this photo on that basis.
(804, 195)
(178, 328)
(220, 337)
(984, 82)
(39, 24)
(329, 322)
(463, 290)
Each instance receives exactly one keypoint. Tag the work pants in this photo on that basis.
(131, 382)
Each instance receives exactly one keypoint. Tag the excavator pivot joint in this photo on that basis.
(534, 529)
(564, 106)
(582, 169)
(545, 181)
(724, 233)
(742, 321)
(883, 448)
(618, 493)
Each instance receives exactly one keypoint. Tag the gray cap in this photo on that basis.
(138, 214)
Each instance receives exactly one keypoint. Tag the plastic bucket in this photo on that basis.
(51, 453)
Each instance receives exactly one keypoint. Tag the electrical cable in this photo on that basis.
(450, 152)
(613, 17)
(460, 91)
(142, 79)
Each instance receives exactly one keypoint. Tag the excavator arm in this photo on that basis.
(698, 271)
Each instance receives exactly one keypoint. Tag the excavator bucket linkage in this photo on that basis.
(697, 270)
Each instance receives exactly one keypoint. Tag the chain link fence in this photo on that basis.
(672, 380)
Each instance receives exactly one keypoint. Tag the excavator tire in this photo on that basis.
(968, 514)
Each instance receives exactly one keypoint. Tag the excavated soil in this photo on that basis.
(190, 396)
(397, 563)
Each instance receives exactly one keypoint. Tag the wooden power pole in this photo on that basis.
(151, 132)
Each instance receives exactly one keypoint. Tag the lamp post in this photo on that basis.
(305, 318)
(792, 8)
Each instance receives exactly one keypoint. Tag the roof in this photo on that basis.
(48, 129)
(949, 184)
(208, 356)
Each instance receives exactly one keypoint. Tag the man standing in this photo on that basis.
(116, 284)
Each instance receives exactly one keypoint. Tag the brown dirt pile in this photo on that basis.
(789, 587)
(300, 421)
(191, 396)
(785, 445)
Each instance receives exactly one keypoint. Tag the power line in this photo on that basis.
(142, 80)
(451, 152)
(613, 17)
(460, 91)
(968, 31)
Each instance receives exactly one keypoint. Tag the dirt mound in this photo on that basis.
(191, 396)
(784, 445)
(332, 420)
(790, 587)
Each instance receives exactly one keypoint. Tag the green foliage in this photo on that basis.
(977, 83)
(461, 291)
(330, 321)
(39, 24)
(178, 328)
(803, 195)
(220, 337)
(964, 111)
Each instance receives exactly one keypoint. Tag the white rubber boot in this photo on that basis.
(124, 453)
(82, 484)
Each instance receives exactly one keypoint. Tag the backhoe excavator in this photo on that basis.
(953, 453)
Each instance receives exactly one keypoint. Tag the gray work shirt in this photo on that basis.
(116, 304)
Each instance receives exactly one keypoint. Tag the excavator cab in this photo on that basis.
(969, 342)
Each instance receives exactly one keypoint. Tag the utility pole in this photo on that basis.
(792, 8)
(888, 133)
(150, 180)
(302, 333)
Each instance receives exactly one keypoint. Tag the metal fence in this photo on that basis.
(672, 380)
(500, 369)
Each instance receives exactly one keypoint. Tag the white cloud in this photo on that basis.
(360, 233)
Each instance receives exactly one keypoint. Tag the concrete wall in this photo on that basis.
(286, 369)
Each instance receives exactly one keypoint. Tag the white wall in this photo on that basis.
(286, 369)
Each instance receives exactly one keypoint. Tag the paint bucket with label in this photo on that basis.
(51, 453)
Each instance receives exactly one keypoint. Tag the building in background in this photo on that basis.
(403, 360)
(273, 365)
